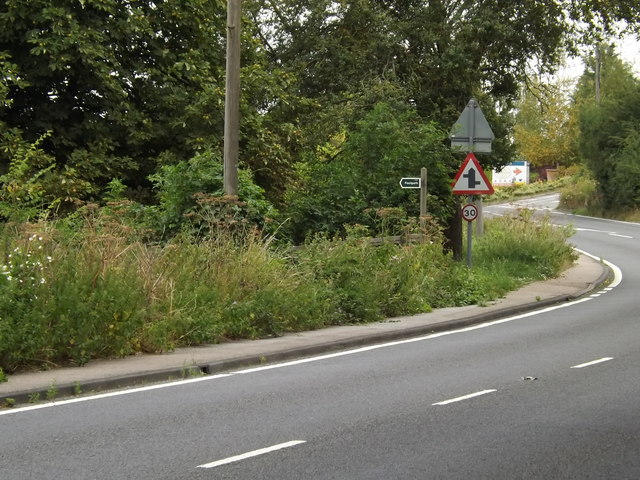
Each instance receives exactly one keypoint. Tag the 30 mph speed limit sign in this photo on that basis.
(470, 212)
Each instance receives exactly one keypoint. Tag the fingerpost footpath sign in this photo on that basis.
(418, 183)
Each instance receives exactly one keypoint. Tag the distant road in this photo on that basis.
(550, 396)
(541, 202)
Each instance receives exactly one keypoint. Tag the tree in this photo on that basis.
(348, 54)
(112, 83)
(608, 131)
(592, 19)
(546, 125)
(439, 53)
(357, 174)
(97, 89)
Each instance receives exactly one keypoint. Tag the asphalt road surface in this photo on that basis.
(552, 395)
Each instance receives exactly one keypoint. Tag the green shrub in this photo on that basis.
(70, 292)
(191, 197)
(581, 194)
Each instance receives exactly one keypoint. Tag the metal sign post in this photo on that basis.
(470, 180)
(469, 213)
(471, 133)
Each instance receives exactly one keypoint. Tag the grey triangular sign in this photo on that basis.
(472, 132)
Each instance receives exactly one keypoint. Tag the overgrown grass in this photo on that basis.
(516, 250)
(68, 295)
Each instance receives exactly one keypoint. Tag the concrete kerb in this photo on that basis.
(390, 336)
(149, 376)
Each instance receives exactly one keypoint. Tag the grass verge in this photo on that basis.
(68, 295)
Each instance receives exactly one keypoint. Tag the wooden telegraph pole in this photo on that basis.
(598, 69)
(232, 99)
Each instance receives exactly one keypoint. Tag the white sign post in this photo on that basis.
(410, 182)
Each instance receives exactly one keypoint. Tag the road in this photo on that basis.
(553, 395)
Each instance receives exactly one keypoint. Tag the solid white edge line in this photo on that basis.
(594, 362)
(412, 340)
(609, 220)
(296, 362)
(254, 453)
(617, 273)
(115, 393)
(464, 397)
(616, 281)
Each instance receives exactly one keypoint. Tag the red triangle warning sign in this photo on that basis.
(470, 179)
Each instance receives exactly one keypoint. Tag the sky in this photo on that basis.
(628, 48)
(630, 52)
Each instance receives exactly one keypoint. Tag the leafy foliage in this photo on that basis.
(98, 291)
(100, 89)
(546, 126)
(191, 197)
(594, 20)
(112, 81)
(358, 172)
(609, 139)
(541, 247)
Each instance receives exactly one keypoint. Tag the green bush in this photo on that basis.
(355, 175)
(580, 195)
(70, 292)
(191, 196)
(369, 282)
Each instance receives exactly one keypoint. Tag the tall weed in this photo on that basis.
(70, 293)
(520, 249)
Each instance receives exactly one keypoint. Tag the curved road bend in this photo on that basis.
(552, 395)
